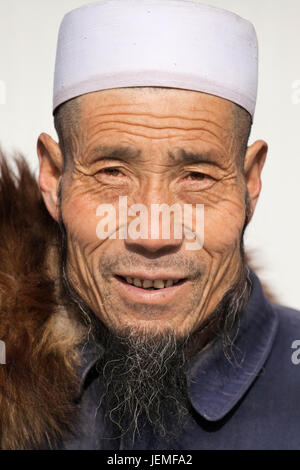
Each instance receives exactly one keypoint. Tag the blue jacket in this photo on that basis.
(248, 402)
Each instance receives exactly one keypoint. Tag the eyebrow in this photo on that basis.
(193, 157)
(127, 153)
(107, 152)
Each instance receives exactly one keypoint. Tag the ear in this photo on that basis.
(254, 162)
(51, 169)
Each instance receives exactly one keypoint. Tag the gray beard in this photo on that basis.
(144, 375)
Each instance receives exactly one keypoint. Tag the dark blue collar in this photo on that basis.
(217, 381)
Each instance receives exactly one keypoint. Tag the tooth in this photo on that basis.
(147, 283)
(129, 280)
(158, 284)
(169, 283)
(137, 282)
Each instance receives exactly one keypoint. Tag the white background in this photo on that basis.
(28, 34)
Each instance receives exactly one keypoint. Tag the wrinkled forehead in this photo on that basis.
(165, 119)
(156, 103)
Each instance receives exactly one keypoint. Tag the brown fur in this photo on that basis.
(38, 382)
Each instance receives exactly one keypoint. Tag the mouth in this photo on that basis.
(151, 284)
(159, 291)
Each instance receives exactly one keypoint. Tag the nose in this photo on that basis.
(157, 247)
(159, 235)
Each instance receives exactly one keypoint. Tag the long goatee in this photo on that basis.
(145, 383)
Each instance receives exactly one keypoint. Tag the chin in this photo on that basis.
(149, 328)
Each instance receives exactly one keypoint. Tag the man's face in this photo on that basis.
(163, 130)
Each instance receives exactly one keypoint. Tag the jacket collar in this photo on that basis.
(218, 380)
(90, 353)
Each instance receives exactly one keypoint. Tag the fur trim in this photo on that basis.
(38, 383)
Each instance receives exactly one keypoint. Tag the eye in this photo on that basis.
(197, 181)
(194, 175)
(110, 172)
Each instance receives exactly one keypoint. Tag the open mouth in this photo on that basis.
(148, 284)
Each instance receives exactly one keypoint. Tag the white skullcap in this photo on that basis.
(168, 43)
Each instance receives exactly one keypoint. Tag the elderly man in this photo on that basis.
(125, 338)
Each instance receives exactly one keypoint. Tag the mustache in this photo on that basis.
(180, 264)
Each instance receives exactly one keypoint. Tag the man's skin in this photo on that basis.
(157, 125)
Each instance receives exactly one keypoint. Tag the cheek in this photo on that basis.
(81, 222)
(81, 215)
(223, 225)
